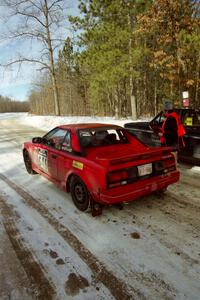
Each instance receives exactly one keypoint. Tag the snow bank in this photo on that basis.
(5, 116)
(49, 122)
(195, 169)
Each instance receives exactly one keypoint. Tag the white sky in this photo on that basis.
(16, 82)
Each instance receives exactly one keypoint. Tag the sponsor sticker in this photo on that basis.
(188, 121)
(77, 164)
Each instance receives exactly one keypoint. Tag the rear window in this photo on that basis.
(102, 137)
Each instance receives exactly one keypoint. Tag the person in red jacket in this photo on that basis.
(172, 131)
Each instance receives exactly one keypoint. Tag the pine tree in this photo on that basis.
(110, 52)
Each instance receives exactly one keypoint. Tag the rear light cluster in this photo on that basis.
(129, 175)
(158, 167)
(170, 165)
(122, 177)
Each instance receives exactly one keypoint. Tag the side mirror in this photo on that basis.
(37, 140)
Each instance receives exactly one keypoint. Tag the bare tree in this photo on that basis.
(40, 21)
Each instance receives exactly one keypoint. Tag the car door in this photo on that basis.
(65, 158)
(191, 121)
(53, 140)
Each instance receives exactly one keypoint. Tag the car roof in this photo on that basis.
(79, 126)
(185, 109)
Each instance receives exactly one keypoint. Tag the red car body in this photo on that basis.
(107, 168)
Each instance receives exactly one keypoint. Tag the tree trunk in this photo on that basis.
(133, 107)
(52, 65)
(55, 94)
(155, 97)
(132, 95)
(144, 100)
(196, 100)
(116, 104)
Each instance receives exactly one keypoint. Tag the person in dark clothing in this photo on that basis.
(170, 130)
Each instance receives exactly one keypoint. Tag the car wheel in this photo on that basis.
(28, 163)
(80, 194)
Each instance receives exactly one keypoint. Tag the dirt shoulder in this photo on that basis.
(14, 283)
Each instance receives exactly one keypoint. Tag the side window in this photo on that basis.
(187, 118)
(191, 117)
(55, 138)
(113, 136)
(66, 145)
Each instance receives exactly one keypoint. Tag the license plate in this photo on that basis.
(145, 169)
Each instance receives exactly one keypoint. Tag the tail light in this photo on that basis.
(122, 177)
(159, 167)
(129, 175)
(118, 176)
(164, 166)
(170, 164)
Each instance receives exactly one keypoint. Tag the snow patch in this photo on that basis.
(49, 122)
(5, 116)
(195, 169)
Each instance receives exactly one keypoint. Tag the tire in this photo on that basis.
(28, 163)
(80, 194)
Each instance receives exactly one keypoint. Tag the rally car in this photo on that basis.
(99, 164)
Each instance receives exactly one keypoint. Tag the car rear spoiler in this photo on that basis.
(142, 156)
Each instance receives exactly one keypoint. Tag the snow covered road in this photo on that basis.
(50, 250)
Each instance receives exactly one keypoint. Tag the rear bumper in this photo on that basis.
(138, 189)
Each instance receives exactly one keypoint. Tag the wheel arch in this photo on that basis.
(24, 150)
(68, 181)
(69, 177)
(29, 168)
(80, 194)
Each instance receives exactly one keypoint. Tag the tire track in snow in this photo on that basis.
(182, 199)
(158, 231)
(187, 210)
(190, 181)
(178, 208)
(161, 235)
(41, 287)
(116, 286)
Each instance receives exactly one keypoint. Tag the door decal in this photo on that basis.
(43, 159)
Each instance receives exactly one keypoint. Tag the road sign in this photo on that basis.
(185, 95)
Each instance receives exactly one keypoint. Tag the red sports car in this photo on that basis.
(99, 164)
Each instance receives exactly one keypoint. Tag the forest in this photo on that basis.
(124, 58)
(10, 105)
